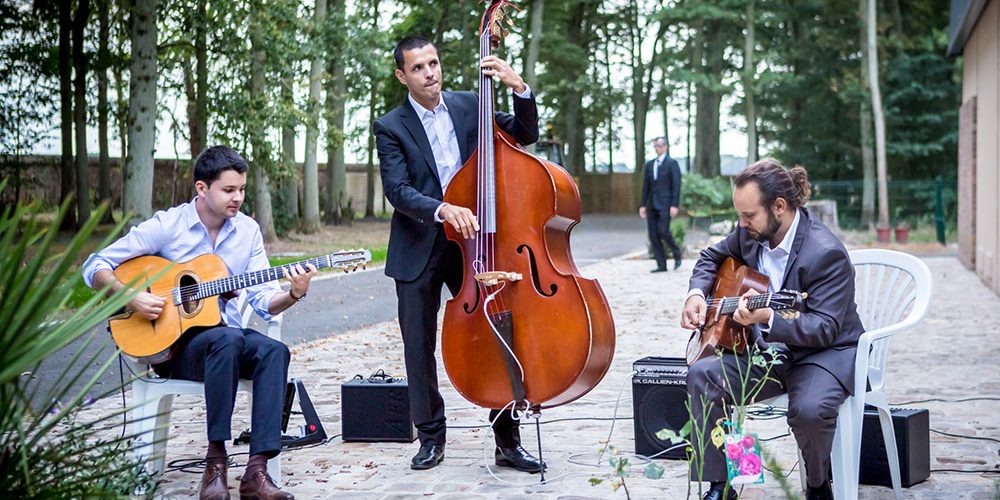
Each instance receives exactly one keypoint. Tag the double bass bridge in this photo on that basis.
(494, 278)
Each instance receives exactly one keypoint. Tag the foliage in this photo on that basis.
(703, 196)
(47, 450)
(678, 228)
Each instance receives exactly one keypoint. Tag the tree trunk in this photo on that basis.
(687, 133)
(290, 182)
(141, 111)
(535, 25)
(104, 164)
(66, 109)
(199, 133)
(80, 113)
(877, 112)
(749, 76)
(310, 178)
(121, 104)
(708, 101)
(865, 115)
(257, 133)
(370, 170)
(336, 103)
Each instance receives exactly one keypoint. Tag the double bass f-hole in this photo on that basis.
(534, 272)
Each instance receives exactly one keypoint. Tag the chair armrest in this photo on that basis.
(274, 326)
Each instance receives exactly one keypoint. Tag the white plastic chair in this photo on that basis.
(153, 399)
(893, 292)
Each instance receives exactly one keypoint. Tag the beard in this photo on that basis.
(773, 224)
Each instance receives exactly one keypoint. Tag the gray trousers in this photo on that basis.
(814, 398)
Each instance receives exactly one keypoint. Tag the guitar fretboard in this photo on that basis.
(228, 284)
(729, 305)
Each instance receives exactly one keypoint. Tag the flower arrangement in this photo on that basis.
(743, 459)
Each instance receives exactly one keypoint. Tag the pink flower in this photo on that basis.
(735, 451)
(749, 464)
(748, 441)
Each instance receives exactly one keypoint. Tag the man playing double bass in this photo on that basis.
(421, 145)
(778, 237)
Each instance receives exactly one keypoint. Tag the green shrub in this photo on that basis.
(47, 448)
(705, 197)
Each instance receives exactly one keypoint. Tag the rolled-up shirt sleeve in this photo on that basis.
(145, 239)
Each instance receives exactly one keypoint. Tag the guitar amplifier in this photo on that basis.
(376, 409)
(659, 394)
(912, 430)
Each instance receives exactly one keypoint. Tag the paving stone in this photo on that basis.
(951, 355)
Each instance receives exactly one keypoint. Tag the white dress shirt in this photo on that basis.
(440, 132)
(656, 164)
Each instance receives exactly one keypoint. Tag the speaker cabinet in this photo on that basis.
(376, 409)
(912, 429)
(659, 394)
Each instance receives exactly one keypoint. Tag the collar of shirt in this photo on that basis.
(773, 262)
(661, 158)
(786, 243)
(424, 112)
(192, 219)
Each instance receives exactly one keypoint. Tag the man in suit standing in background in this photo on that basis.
(421, 145)
(661, 195)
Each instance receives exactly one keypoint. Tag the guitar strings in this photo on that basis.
(189, 291)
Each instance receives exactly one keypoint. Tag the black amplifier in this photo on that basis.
(659, 394)
(376, 409)
(912, 430)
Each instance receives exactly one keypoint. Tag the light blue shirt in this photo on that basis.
(178, 234)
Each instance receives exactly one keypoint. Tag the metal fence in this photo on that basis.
(915, 202)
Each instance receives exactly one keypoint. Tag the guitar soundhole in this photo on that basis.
(188, 305)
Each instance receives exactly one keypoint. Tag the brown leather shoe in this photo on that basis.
(258, 485)
(214, 485)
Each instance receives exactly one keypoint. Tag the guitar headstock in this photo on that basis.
(349, 260)
(494, 21)
(787, 300)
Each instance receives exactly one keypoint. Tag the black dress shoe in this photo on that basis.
(716, 493)
(518, 458)
(824, 492)
(677, 264)
(659, 270)
(429, 455)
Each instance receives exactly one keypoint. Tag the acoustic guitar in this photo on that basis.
(186, 286)
(720, 330)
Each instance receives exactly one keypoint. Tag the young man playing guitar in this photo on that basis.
(213, 223)
(778, 237)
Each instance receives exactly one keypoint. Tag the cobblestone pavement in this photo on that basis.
(951, 355)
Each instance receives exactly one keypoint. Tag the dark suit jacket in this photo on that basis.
(827, 332)
(409, 172)
(665, 191)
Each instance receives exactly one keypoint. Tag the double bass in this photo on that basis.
(525, 329)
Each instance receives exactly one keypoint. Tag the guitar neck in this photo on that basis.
(228, 284)
(729, 305)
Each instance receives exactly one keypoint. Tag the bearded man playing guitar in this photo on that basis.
(778, 237)
(212, 223)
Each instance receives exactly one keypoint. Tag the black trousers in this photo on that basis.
(658, 226)
(814, 399)
(419, 303)
(221, 356)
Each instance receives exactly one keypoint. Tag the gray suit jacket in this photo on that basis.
(826, 334)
